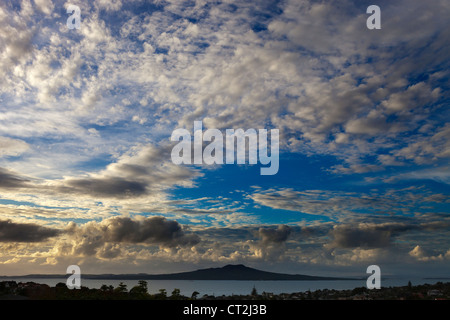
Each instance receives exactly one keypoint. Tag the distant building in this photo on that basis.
(434, 292)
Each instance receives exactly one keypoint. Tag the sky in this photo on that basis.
(86, 117)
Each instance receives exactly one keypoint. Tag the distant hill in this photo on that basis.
(233, 272)
(228, 272)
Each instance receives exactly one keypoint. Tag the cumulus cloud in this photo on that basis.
(423, 255)
(25, 232)
(153, 230)
(365, 237)
(104, 239)
(272, 244)
(278, 235)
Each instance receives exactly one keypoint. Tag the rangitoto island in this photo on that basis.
(228, 272)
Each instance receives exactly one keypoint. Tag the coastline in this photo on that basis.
(12, 290)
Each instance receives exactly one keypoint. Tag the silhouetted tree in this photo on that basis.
(194, 295)
(106, 288)
(175, 294)
(143, 284)
(122, 288)
(140, 291)
(162, 294)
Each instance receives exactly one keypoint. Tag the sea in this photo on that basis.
(238, 287)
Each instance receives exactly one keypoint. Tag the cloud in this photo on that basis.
(429, 148)
(106, 187)
(272, 244)
(110, 237)
(143, 170)
(416, 95)
(423, 255)
(439, 174)
(12, 147)
(45, 6)
(365, 237)
(157, 230)
(9, 179)
(16, 40)
(109, 5)
(315, 202)
(342, 206)
(344, 91)
(276, 236)
(371, 235)
(25, 232)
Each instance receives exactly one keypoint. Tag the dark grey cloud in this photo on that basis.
(378, 235)
(366, 237)
(278, 235)
(157, 230)
(107, 239)
(272, 243)
(10, 179)
(142, 171)
(106, 187)
(24, 232)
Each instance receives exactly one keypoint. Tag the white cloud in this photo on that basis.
(45, 6)
(422, 255)
(12, 147)
(428, 148)
(109, 5)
